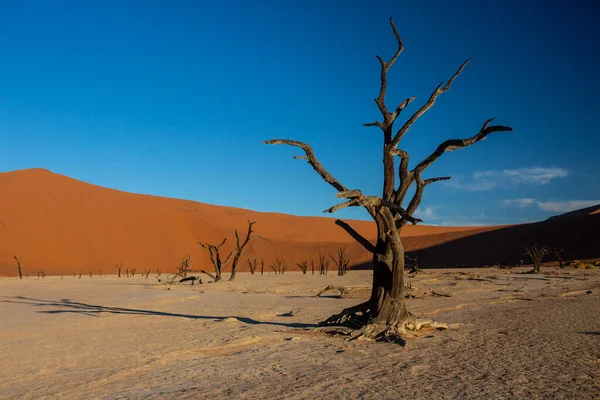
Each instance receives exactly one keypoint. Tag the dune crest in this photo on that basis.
(61, 225)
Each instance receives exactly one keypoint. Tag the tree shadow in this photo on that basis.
(69, 306)
(589, 333)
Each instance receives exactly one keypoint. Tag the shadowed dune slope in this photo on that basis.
(61, 225)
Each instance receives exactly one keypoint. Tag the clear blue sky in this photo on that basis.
(174, 99)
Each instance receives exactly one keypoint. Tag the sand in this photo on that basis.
(511, 336)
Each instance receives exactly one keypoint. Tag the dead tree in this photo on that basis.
(262, 266)
(303, 265)
(536, 253)
(183, 268)
(239, 248)
(278, 265)
(252, 264)
(19, 267)
(147, 272)
(312, 265)
(133, 272)
(119, 267)
(384, 315)
(215, 258)
(557, 252)
(414, 263)
(342, 261)
(323, 264)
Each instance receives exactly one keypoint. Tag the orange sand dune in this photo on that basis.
(61, 225)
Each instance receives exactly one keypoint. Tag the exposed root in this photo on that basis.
(354, 323)
(351, 317)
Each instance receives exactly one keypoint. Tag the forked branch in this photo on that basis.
(454, 144)
(385, 66)
(441, 88)
(312, 160)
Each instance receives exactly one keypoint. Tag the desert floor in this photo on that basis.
(511, 336)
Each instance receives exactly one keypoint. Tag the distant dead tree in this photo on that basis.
(262, 266)
(303, 265)
(237, 252)
(414, 263)
(119, 266)
(90, 274)
(158, 272)
(342, 261)
(536, 253)
(557, 252)
(215, 258)
(252, 264)
(19, 267)
(80, 274)
(312, 265)
(127, 272)
(278, 265)
(133, 272)
(323, 264)
(147, 272)
(183, 268)
(385, 315)
(239, 248)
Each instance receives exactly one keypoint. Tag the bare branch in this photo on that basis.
(416, 199)
(454, 144)
(348, 194)
(385, 66)
(401, 107)
(228, 257)
(351, 203)
(312, 160)
(355, 235)
(432, 98)
(376, 123)
(432, 180)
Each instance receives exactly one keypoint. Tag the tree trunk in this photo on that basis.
(384, 315)
(388, 312)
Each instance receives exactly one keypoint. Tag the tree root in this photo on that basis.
(351, 317)
(354, 323)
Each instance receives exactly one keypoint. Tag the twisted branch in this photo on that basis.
(312, 160)
(432, 98)
(454, 144)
